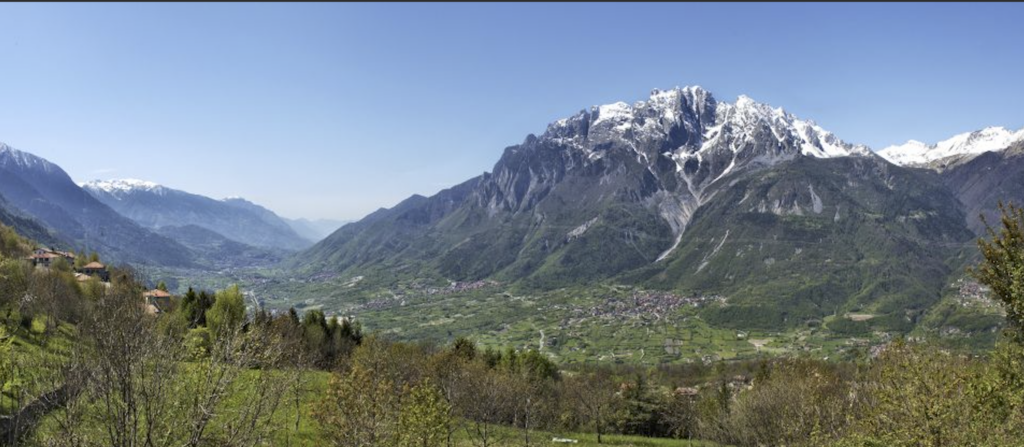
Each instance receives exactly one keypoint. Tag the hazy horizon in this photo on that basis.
(335, 110)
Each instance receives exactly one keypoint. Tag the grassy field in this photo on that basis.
(33, 348)
(572, 326)
(579, 324)
(300, 429)
(510, 437)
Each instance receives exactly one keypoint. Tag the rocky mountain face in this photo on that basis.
(980, 168)
(985, 179)
(628, 177)
(154, 206)
(42, 190)
(689, 193)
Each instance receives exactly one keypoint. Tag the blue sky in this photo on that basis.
(333, 110)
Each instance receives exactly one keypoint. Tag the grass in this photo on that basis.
(497, 317)
(506, 436)
(34, 350)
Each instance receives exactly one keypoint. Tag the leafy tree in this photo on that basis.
(227, 312)
(793, 401)
(161, 286)
(509, 361)
(1003, 266)
(536, 367)
(423, 420)
(360, 409)
(314, 333)
(11, 244)
(920, 396)
(6, 361)
(713, 412)
(60, 264)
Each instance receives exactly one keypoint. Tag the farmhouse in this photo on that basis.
(44, 257)
(95, 269)
(157, 301)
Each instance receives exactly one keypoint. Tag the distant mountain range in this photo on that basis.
(678, 192)
(154, 206)
(958, 148)
(315, 230)
(138, 222)
(43, 191)
(686, 192)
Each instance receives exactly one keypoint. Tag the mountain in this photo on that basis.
(315, 230)
(599, 194)
(952, 151)
(43, 191)
(791, 226)
(155, 206)
(984, 180)
(28, 227)
(216, 250)
(810, 238)
(981, 168)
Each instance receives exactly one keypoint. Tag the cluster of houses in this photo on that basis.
(45, 257)
(156, 301)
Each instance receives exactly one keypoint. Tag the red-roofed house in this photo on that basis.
(96, 269)
(157, 301)
(44, 256)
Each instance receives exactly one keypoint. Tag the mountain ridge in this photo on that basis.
(660, 155)
(954, 150)
(45, 192)
(155, 206)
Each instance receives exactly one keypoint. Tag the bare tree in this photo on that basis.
(487, 402)
(148, 391)
(449, 372)
(594, 396)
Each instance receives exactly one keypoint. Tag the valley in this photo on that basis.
(511, 224)
(678, 229)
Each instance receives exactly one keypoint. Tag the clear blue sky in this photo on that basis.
(334, 110)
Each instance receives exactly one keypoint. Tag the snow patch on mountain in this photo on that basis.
(717, 126)
(120, 187)
(11, 157)
(740, 121)
(916, 153)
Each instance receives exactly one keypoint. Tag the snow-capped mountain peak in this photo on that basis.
(747, 116)
(120, 187)
(11, 157)
(916, 153)
(695, 109)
